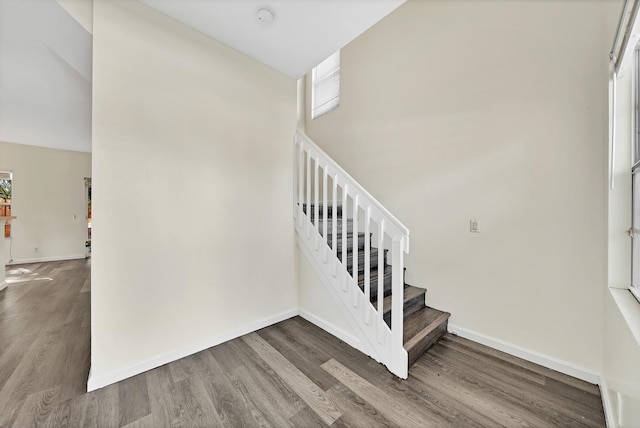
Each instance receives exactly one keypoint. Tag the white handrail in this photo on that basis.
(392, 221)
(313, 168)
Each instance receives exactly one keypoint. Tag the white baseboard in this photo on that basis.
(97, 382)
(332, 329)
(44, 259)
(3, 285)
(532, 356)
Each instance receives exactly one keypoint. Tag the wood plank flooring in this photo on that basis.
(291, 374)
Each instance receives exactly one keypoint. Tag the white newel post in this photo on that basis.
(3, 282)
(400, 363)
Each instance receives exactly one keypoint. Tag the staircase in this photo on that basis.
(357, 248)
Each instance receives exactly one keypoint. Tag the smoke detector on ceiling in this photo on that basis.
(265, 16)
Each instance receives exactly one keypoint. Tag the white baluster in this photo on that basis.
(334, 224)
(315, 202)
(345, 283)
(295, 182)
(367, 266)
(300, 183)
(308, 207)
(325, 238)
(397, 291)
(354, 251)
(381, 267)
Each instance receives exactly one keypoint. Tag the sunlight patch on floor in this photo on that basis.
(24, 275)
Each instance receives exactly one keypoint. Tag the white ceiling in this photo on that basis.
(303, 33)
(45, 76)
(46, 55)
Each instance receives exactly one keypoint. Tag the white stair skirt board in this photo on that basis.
(532, 356)
(3, 285)
(99, 382)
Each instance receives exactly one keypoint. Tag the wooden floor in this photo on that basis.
(290, 374)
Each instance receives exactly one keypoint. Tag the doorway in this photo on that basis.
(87, 192)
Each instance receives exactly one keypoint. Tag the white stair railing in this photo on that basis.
(319, 184)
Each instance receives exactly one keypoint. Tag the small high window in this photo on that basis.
(325, 91)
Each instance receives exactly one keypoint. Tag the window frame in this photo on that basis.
(634, 232)
(332, 78)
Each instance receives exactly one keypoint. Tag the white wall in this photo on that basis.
(495, 111)
(318, 306)
(48, 191)
(192, 229)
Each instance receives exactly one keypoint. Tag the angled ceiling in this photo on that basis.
(45, 76)
(303, 32)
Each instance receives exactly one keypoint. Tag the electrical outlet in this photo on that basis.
(474, 226)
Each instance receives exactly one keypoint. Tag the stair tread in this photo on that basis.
(419, 324)
(410, 292)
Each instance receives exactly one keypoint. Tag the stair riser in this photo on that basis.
(339, 233)
(338, 228)
(373, 290)
(388, 278)
(349, 242)
(410, 307)
(373, 260)
(417, 351)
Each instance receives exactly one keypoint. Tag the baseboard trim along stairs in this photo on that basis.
(357, 249)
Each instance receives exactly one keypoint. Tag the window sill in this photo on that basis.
(629, 308)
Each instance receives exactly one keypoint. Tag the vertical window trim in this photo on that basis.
(634, 287)
(635, 123)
